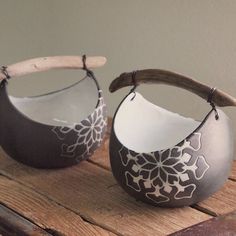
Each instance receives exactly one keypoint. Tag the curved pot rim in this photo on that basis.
(187, 137)
(34, 122)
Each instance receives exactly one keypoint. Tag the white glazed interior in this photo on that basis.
(144, 127)
(61, 108)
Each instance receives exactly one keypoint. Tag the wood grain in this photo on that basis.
(222, 202)
(44, 212)
(13, 224)
(223, 225)
(158, 76)
(93, 193)
(48, 63)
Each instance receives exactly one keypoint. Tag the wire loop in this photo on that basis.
(5, 72)
(135, 85)
(209, 100)
(88, 71)
(84, 62)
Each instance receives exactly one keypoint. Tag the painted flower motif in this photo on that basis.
(87, 135)
(159, 167)
(90, 129)
(166, 173)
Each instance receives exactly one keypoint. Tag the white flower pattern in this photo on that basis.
(81, 140)
(166, 173)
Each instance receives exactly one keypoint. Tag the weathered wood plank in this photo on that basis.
(14, 224)
(222, 202)
(233, 172)
(223, 225)
(93, 193)
(42, 211)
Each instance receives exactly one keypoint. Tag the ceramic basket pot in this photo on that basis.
(57, 129)
(163, 158)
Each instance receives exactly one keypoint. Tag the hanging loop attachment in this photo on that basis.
(88, 71)
(135, 84)
(4, 71)
(209, 100)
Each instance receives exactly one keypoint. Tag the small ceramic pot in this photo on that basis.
(165, 159)
(55, 130)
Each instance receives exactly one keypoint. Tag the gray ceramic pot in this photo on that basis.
(167, 160)
(53, 130)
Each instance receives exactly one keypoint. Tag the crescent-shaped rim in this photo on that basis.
(153, 151)
(99, 102)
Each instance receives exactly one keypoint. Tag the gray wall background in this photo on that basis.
(195, 38)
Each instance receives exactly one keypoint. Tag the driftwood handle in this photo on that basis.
(148, 76)
(48, 63)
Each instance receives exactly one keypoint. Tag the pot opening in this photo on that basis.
(144, 127)
(62, 107)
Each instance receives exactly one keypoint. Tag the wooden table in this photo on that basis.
(86, 200)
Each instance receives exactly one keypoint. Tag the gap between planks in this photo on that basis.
(107, 230)
(12, 223)
(222, 225)
(43, 212)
